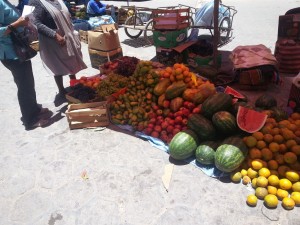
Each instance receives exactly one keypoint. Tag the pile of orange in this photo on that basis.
(273, 163)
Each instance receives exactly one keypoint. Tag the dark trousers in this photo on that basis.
(23, 77)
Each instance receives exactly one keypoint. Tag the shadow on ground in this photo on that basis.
(136, 42)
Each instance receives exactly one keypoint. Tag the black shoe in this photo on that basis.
(60, 98)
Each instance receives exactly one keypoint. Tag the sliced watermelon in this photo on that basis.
(250, 120)
(235, 94)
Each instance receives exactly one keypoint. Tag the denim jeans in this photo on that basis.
(23, 77)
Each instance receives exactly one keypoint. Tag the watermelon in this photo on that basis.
(250, 120)
(183, 145)
(279, 114)
(216, 103)
(225, 122)
(205, 152)
(235, 94)
(230, 154)
(202, 127)
(265, 101)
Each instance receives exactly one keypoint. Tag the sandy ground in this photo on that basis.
(41, 179)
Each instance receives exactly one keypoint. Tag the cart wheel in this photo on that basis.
(148, 33)
(132, 32)
(225, 30)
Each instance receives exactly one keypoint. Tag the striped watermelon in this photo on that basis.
(205, 152)
(215, 103)
(202, 127)
(230, 154)
(225, 122)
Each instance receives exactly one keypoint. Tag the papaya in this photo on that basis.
(176, 103)
(189, 94)
(161, 100)
(175, 90)
(161, 87)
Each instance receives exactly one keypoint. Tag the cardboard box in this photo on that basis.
(289, 27)
(98, 57)
(104, 39)
(196, 61)
(169, 39)
(85, 115)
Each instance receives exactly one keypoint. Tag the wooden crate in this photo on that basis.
(171, 19)
(94, 114)
(83, 36)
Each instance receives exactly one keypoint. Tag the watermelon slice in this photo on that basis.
(235, 94)
(250, 120)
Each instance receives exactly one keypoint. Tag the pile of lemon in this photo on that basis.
(272, 166)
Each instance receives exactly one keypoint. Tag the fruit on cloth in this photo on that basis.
(288, 203)
(265, 101)
(225, 122)
(281, 194)
(250, 120)
(246, 180)
(234, 93)
(296, 186)
(261, 181)
(271, 200)
(176, 89)
(215, 103)
(252, 200)
(257, 164)
(205, 152)
(202, 126)
(272, 190)
(285, 184)
(261, 192)
(265, 172)
(162, 86)
(293, 176)
(183, 145)
(296, 197)
(230, 154)
(252, 173)
(273, 180)
(253, 183)
(236, 177)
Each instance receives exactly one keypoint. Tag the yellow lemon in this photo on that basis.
(281, 194)
(262, 181)
(272, 190)
(296, 186)
(236, 177)
(273, 180)
(261, 192)
(257, 164)
(288, 203)
(246, 180)
(251, 173)
(271, 201)
(253, 183)
(252, 200)
(265, 172)
(285, 184)
(292, 176)
(296, 197)
(244, 172)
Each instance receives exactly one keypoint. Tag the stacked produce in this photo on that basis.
(82, 93)
(124, 66)
(91, 82)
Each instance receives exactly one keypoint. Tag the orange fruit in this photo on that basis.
(293, 176)
(271, 200)
(296, 149)
(265, 172)
(261, 181)
(274, 147)
(272, 190)
(275, 131)
(261, 192)
(274, 172)
(267, 129)
(285, 184)
(273, 180)
(281, 194)
(295, 116)
(266, 154)
(246, 180)
(290, 157)
(251, 200)
(255, 153)
(268, 138)
(296, 186)
(278, 138)
(296, 197)
(295, 166)
(272, 164)
(290, 143)
(282, 170)
(258, 135)
(251, 141)
(282, 148)
(287, 134)
(261, 144)
(288, 203)
(292, 127)
(279, 158)
(297, 133)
